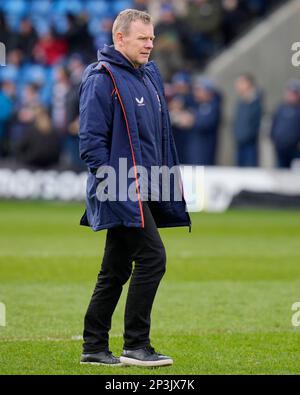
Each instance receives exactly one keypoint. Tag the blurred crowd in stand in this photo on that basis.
(50, 42)
(196, 111)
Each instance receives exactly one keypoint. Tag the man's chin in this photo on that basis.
(143, 60)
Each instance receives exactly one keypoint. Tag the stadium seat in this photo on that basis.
(97, 8)
(60, 23)
(9, 73)
(41, 24)
(120, 5)
(34, 73)
(40, 7)
(94, 26)
(15, 7)
(64, 7)
(13, 21)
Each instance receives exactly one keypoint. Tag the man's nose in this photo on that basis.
(149, 44)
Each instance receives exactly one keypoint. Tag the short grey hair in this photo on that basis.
(123, 20)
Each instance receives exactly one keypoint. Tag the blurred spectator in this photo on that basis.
(182, 43)
(181, 115)
(77, 36)
(26, 38)
(4, 30)
(247, 121)
(142, 5)
(104, 36)
(7, 36)
(182, 122)
(256, 7)
(167, 50)
(204, 22)
(25, 110)
(285, 131)
(30, 96)
(15, 57)
(76, 68)
(71, 146)
(50, 48)
(60, 91)
(234, 20)
(181, 86)
(7, 96)
(38, 146)
(65, 112)
(207, 112)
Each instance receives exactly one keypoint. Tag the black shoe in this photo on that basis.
(101, 358)
(146, 357)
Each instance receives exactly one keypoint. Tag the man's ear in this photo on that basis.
(119, 39)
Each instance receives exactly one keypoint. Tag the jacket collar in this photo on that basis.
(111, 55)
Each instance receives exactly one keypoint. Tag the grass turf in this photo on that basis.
(223, 307)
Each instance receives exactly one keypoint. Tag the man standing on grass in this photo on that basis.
(124, 119)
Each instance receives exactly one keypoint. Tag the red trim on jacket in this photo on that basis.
(130, 141)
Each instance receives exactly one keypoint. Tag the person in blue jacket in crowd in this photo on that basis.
(180, 112)
(7, 92)
(123, 115)
(207, 111)
(285, 132)
(247, 120)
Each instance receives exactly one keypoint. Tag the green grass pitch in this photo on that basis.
(223, 307)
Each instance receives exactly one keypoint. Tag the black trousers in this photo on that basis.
(123, 247)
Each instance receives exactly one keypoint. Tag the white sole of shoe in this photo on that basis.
(102, 364)
(146, 364)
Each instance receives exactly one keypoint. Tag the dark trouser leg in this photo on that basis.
(123, 246)
(148, 252)
(115, 271)
(247, 155)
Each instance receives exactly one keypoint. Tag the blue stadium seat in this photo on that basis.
(13, 21)
(40, 7)
(69, 6)
(41, 24)
(9, 73)
(60, 23)
(34, 73)
(120, 5)
(97, 8)
(94, 26)
(15, 7)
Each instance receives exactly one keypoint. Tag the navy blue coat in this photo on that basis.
(203, 139)
(285, 130)
(109, 130)
(247, 120)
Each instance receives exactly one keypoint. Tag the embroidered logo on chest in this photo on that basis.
(140, 102)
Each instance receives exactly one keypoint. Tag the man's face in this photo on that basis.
(242, 86)
(137, 44)
(291, 97)
(202, 95)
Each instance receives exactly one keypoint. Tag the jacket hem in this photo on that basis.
(176, 224)
(115, 224)
(136, 225)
